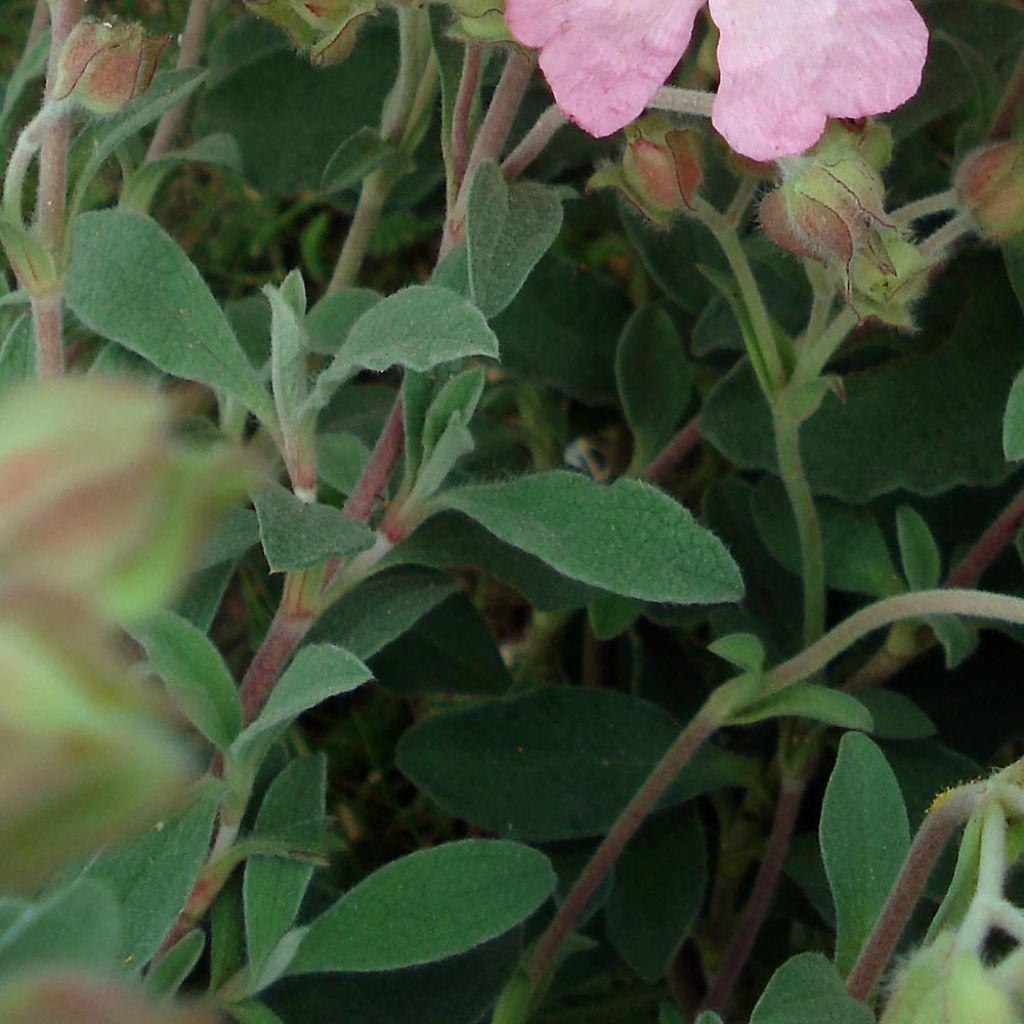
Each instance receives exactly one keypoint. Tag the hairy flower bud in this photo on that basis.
(105, 64)
(661, 168)
(480, 21)
(326, 30)
(830, 207)
(62, 996)
(84, 758)
(990, 182)
(943, 985)
(96, 498)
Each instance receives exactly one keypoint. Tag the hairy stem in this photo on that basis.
(461, 115)
(193, 37)
(940, 202)
(674, 452)
(738, 952)
(490, 140)
(944, 818)
(812, 552)
(682, 101)
(372, 198)
(710, 717)
(40, 19)
(976, 604)
(533, 142)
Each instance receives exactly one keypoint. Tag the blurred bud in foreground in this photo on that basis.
(941, 984)
(84, 758)
(661, 168)
(106, 64)
(990, 183)
(72, 997)
(830, 207)
(96, 497)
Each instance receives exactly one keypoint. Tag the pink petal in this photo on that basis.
(604, 59)
(787, 65)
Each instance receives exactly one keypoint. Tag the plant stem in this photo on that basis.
(533, 142)
(819, 349)
(674, 452)
(791, 796)
(40, 19)
(764, 336)
(372, 198)
(977, 604)
(29, 142)
(379, 467)
(47, 320)
(944, 818)
(491, 139)
(193, 36)
(812, 552)
(461, 113)
(711, 716)
(936, 247)
(683, 101)
(1009, 106)
(940, 202)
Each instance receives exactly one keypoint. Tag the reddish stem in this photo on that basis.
(461, 112)
(786, 811)
(379, 467)
(674, 452)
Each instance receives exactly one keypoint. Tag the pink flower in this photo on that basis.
(786, 65)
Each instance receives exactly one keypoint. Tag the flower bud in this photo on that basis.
(84, 758)
(990, 183)
(830, 207)
(95, 496)
(661, 168)
(326, 30)
(943, 985)
(105, 64)
(63, 996)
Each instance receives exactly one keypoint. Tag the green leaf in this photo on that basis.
(871, 443)
(428, 906)
(273, 887)
(153, 874)
(563, 328)
(98, 142)
(611, 616)
(78, 926)
(508, 230)
(658, 891)
(317, 672)
(1013, 421)
(819, 703)
(459, 990)
(492, 763)
(288, 351)
(742, 650)
(460, 394)
(340, 460)
(629, 538)
(380, 610)
(807, 988)
(234, 534)
(449, 650)
(167, 976)
(358, 156)
(31, 66)
(857, 557)
(864, 836)
(922, 563)
(254, 1013)
(130, 281)
(330, 320)
(654, 380)
(194, 672)
(895, 716)
(419, 327)
(297, 535)
(227, 934)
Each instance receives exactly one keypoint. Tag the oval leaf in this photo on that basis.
(131, 282)
(629, 538)
(428, 906)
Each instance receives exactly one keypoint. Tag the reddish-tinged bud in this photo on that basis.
(97, 498)
(990, 183)
(480, 21)
(661, 168)
(106, 64)
(72, 997)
